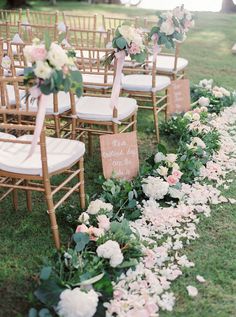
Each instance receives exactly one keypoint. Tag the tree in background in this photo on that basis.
(228, 6)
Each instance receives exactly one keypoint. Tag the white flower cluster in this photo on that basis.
(220, 92)
(131, 35)
(155, 187)
(195, 143)
(111, 250)
(76, 303)
(97, 205)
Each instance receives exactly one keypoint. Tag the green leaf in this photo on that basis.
(92, 280)
(49, 292)
(76, 76)
(140, 58)
(127, 264)
(28, 71)
(121, 43)
(45, 273)
(32, 312)
(47, 41)
(44, 312)
(79, 91)
(81, 239)
(104, 286)
(161, 148)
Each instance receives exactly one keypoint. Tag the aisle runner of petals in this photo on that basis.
(127, 267)
(165, 231)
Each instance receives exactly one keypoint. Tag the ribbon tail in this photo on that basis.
(38, 128)
(120, 56)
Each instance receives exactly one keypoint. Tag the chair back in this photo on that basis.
(88, 38)
(11, 16)
(42, 18)
(8, 30)
(111, 23)
(30, 31)
(80, 22)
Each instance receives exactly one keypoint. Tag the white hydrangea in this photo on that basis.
(155, 187)
(111, 250)
(75, 303)
(206, 83)
(43, 70)
(57, 56)
(159, 157)
(96, 205)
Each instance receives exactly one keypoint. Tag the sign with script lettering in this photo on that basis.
(120, 155)
(178, 97)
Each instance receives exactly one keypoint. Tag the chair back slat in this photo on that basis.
(87, 38)
(42, 18)
(11, 16)
(80, 22)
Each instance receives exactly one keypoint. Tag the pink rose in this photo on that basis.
(38, 53)
(94, 233)
(103, 222)
(82, 228)
(35, 92)
(177, 174)
(134, 49)
(171, 180)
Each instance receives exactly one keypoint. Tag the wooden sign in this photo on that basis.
(120, 155)
(178, 97)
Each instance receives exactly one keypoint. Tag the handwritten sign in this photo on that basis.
(120, 155)
(178, 97)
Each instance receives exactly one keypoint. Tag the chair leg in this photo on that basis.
(15, 196)
(155, 114)
(166, 108)
(81, 180)
(28, 197)
(57, 126)
(115, 128)
(90, 143)
(51, 213)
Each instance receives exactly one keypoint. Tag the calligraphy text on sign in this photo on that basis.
(178, 97)
(120, 155)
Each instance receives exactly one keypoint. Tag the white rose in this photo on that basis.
(175, 166)
(171, 158)
(162, 170)
(57, 56)
(27, 53)
(217, 94)
(111, 250)
(224, 91)
(204, 102)
(159, 157)
(167, 27)
(42, 70)
(75, 303)
(155, 187)
(84, 218)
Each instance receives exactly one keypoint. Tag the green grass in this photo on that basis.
(26, 239)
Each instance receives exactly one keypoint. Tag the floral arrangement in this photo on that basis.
(118, 265)
(213, 97)
(172, 27)
(52, 69)
(132, 41)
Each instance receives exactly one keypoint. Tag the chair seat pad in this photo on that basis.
(4, 135)
(99, 109)
(166, 63)
(144, 83)
(61, 154)
(97, 79)
(11, 94)
(64, 104)
(19, 72)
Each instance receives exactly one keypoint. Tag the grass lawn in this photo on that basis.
(26, 238)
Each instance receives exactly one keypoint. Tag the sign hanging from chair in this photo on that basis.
(178, 97)
(120, 155)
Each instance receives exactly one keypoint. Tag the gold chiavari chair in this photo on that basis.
(80, 22)
(42, 18)
(11, 16)
(9, 31)
(144, 85)
(30, 31)
(92, 114)
(52, 156)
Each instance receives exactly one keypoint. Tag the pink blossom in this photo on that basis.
(65, 69)
(177, 174)
(35, 92)
(172, 180)
(103, 222)
(151, 307)
(82, 228)
(138, 313)
(134, 49)
(38, 53)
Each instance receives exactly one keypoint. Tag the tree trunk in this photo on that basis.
(11, 4)
(228, 6)
(53, 2)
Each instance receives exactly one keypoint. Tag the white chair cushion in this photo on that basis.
(61, 153)
(19, 72)
(64, 103)
(11, 94)
(144, 82)
(98, 109)
(166, 63)
(4, 135)
(96, 79)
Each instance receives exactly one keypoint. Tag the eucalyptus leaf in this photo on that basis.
(121, 43)
(44, 312)
(45, 272)
(33, 312)
(81, 240)
(49, 292)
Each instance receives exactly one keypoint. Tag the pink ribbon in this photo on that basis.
(39, 124)
(120, 58)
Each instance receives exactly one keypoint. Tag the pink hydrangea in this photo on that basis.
(38, 53)
(134, 49)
